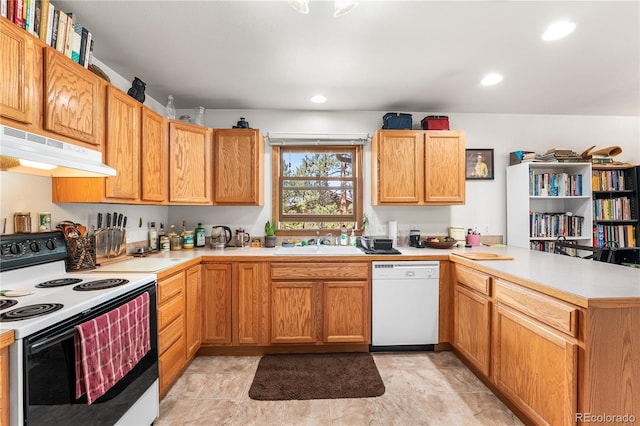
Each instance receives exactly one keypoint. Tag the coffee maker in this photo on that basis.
(414, 238)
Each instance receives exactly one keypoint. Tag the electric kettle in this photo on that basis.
(220, 236)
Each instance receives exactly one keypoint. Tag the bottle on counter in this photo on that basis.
(161, 232)
(153, 237)
(343, 236)
(187, 240)
(352, 239)
(200, 235)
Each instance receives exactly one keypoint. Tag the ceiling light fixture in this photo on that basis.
(342, 7)
(491, 79)
(558, 30)
(318, 99)
(301, 6)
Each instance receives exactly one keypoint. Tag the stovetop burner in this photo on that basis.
(7, 303)
(30, 311)
(59, 282)
(100, 284)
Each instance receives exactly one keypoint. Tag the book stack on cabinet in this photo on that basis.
(547, 200)
(58, 29)
(616, 211)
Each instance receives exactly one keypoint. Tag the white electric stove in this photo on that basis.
(43, 303)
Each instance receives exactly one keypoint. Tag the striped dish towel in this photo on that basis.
(109, 346)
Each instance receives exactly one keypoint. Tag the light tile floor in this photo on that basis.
(423, 388)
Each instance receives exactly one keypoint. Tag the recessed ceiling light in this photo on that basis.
(558, 30)
(491, 79)
(301, 6)
(318, 99)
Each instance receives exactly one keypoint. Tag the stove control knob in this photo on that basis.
(51, 244)
(34, 246)
(15, 248)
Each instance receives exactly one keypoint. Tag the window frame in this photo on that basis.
(277, 178)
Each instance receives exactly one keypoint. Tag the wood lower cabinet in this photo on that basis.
(249, 298)
(346, 317)
(472, 329)
(294, 312)
(74, 99)
(17, 77)
(238, 158)
(190, 178)
(171, 340)
(472, 316)
(6, 339)
(216, 303)
(536, 368)
(320, 303)
(418, 167)
(193, 310)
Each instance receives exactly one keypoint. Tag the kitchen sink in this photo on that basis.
(322, 250)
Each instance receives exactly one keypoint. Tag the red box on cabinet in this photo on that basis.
(435, 122)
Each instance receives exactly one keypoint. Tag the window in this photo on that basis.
(317, 188)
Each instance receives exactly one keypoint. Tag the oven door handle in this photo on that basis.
(50, 341)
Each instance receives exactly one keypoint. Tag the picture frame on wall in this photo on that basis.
(479, 164)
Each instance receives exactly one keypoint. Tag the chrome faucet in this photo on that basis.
(328, 239)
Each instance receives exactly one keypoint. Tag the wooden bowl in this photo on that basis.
(439, 245)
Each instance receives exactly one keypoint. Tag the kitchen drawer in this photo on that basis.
(170, 334)
(170, 310)
(332, 271)
(169, 287)
(473, 279)
(559, 315)
(170, 365)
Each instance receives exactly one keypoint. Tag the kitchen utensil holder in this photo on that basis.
(81, 253)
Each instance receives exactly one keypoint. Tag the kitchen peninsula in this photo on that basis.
(552, 335)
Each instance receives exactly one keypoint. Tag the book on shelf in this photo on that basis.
(4, 7)
(51, 14)
(76, 40)
(11, 7)
(69, 36)
(18, 13)
(37, 17)
(44, 20)
(61, 32)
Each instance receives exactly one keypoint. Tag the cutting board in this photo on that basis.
(482, 255)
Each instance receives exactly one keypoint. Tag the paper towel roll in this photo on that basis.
(393, 232)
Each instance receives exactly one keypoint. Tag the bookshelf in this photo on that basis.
(616, 210)
(546, 200)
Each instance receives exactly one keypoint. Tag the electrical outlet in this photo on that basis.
(381, 230)
(485, 229)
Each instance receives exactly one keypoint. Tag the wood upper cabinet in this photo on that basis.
(238, 167)
(418, 167)
(189, 164)
(122, 150)
(399, 158)
(16, 73)
(193, 310)
(444, 171)
(154, 152)
(74, 99)
(248, 303)
(216, 303)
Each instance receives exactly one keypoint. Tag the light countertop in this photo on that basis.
(578, 279)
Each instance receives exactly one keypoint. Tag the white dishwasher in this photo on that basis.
(404, 305)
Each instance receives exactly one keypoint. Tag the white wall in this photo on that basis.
(486, 200)
(485, 206)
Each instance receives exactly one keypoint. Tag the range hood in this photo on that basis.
(26, 152)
